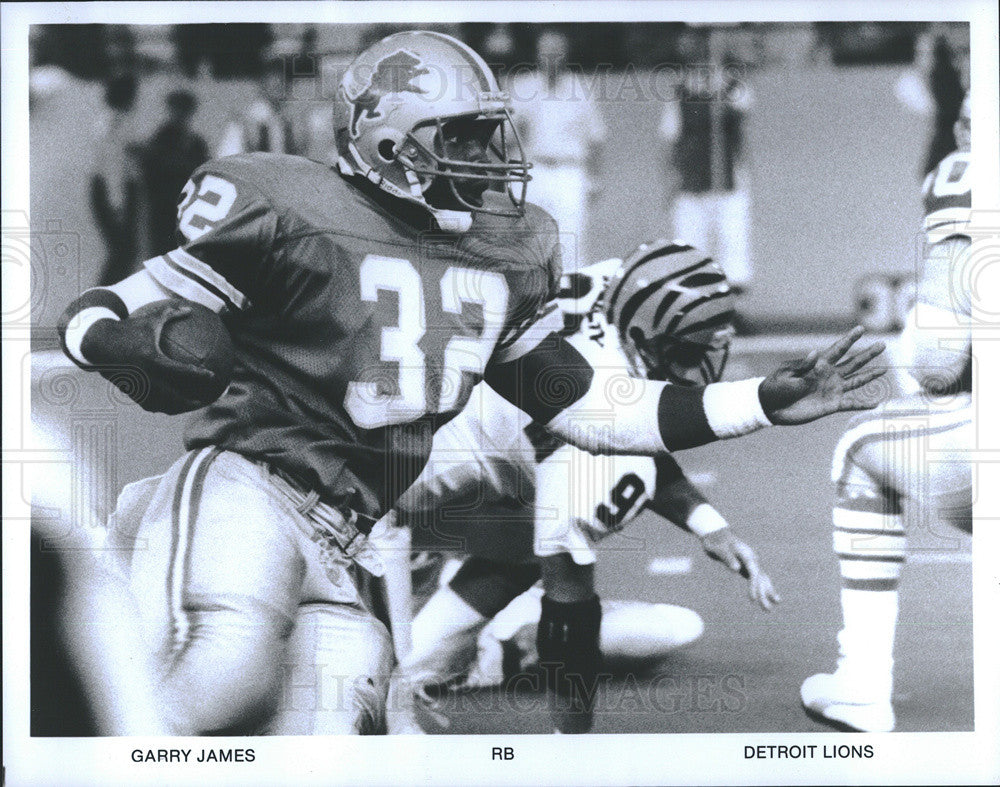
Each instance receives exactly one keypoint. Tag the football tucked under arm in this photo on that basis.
(557, 386)
(166, 353)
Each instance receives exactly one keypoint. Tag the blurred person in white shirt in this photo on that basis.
(263, 126)
(561, 126)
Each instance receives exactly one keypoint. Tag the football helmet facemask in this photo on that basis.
(422, 117)
(672, 307)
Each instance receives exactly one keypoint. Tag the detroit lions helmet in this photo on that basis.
(408, 103)
(673, 309)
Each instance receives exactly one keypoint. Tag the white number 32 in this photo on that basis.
(366, 402)
(215, 198)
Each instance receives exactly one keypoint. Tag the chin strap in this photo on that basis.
(456, 221)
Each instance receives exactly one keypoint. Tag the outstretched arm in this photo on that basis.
(557, 387)
(681, 502)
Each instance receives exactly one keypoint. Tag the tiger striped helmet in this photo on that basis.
(673, 309)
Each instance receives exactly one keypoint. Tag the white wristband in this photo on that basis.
(733, 409)
(704, 520)
(79, 326)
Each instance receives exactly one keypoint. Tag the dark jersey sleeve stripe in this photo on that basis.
(544, 381)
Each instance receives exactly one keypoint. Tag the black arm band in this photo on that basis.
(681, 418)
(98, 297)
(544, 381)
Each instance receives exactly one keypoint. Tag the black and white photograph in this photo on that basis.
(501, 392)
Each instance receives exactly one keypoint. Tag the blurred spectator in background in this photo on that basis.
(703, 129)
(189, 48)
(933, 88)
(85, 51)
(563, 134)
(313, 121)
(169, 157)
(262, 127)
(116, 194)
(947, 91)
(498, 44)
(231, 50)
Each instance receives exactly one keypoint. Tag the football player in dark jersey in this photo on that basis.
(364, 300)
(912, 450)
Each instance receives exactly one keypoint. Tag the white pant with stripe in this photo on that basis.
(916, 449)
(253, 623)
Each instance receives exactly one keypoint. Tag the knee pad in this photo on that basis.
(868, 535)
(955, 508)
(335, 675)
(846, 471)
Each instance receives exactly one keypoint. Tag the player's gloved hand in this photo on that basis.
(127, 353)
(739, 557)
(822, 383)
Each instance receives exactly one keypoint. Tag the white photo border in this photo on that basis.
(940, 758)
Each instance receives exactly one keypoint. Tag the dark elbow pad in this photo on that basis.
(544, 381)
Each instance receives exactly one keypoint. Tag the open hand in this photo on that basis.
(822, 383)
(739, 557)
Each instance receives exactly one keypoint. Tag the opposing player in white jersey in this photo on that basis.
(909, 454)
(505, 491)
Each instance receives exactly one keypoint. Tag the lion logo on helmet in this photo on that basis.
(392, 74)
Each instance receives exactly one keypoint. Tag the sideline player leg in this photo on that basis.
(909, 453)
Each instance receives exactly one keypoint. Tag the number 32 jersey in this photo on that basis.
(501, 487)
(359, 328)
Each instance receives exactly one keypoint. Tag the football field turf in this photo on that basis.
(744, 674)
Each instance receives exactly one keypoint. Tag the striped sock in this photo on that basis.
(870, 543)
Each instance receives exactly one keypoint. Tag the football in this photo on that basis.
(199, 338)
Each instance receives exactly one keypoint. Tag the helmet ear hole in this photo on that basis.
(387, 150)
